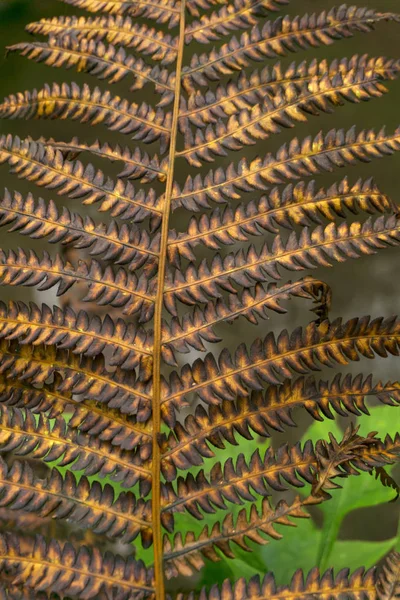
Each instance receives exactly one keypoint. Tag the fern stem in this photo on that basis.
(156, 456)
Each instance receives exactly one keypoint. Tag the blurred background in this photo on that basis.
(370, 285)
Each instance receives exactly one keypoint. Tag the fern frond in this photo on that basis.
(284, 109)
(292, 162)
(86, 504)
(240, 480)
(246, 91)
(360, 583)
(122, 244)
(119, 31)
(161, 11)
(109, 425)
(81, 375)
(198, 326)
(55, 567)
(186, 555)
(257, 414)
(301, 204)
(102, 286)
(388, 584)
(102, 61)
(239, 14)
(137, 164)
(24, 435)
(129, 346)
(92, 106)
(46, 167)
(280, 37)
(270, 359)
(318, 247)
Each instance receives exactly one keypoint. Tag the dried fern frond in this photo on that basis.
(25, 435)
(186, 555)
(284, 109)
(121, 31)
(360, 582)
(97, 393)
(388, 585)
(302, 204)
(65, 329)
(238, 14)
(105, 62)
(270, 359)
(92, 106)
(162, 11)
(122, 244)
(199, 326)
(88, 505)
(201, 109)
(261, 412)
(47, 167)
(80, 375)
(311, 249)
(293, 161)
(280, 37)
(59, 568)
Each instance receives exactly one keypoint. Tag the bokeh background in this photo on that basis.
(370, 285)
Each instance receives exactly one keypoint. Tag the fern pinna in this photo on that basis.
(98, 400)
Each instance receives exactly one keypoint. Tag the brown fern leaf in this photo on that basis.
(24, 435)
(102, 61)
(240, 480)
(388, 584)
(162, 11)
(84, 335)
(286, 107)
(293, 161)
(137, 164)
(88, 505)
(243, 93)
(119, 31)
(47, 167)
(360, 583)
(335, 459)
(59, 568)
(92, 106)
(83, 376)
(280, 37)
(319, 247)
(387, 481)
(103, 285)
(235, 481)
(122, 244)
(198, 326)
(186, 555)
(239, 14)
(301, 204)
(217, 426)
(270, 359)
(108, 425)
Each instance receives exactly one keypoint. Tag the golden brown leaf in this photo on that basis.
(84, 503)
(48, 567)
(121, 31)
(91, 106)
(302, 204)
(123, 244)
(293, 161)
(46, 167)
(280, 37)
